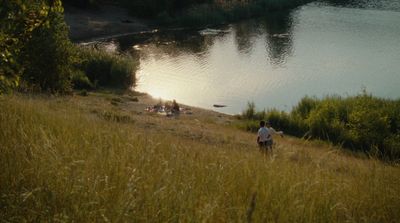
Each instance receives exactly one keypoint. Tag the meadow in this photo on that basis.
(64, 160)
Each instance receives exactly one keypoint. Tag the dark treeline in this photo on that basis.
(144, 7)
(360, 123)
(37, 55)
(195, 12)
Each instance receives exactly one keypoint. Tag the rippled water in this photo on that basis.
(323, 48)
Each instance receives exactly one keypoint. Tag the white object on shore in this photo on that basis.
(208, 31)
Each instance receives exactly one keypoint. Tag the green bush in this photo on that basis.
(391, 147)
(369, 122)
(304, 107)
(48, 56)
(81, 81)
(284, 121)
(362, 122)
(36, 52)
(107, 69)
(250, 112)
(323, 121)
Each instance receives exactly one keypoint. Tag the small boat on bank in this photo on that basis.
(219, 106)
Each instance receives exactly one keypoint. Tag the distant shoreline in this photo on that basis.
(104, 22)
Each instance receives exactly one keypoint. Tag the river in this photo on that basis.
(319, 49)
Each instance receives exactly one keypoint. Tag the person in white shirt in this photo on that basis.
(264, 137)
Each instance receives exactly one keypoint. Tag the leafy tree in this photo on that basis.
(18, 20)
(22, 22)
(48, 54)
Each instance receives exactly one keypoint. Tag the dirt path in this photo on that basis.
(104, 21)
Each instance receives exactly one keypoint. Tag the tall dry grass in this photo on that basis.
(62, 164)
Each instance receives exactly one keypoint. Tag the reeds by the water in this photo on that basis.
(97, 67)
(60, 162)
(359, 123)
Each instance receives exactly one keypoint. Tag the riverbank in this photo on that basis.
(338, 120)
(108, 20)
(104, 21)
(102, 158)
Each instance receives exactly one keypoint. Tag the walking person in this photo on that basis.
(264, 136)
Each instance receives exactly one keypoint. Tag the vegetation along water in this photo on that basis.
(77, 145)
(317, 50)
(360, 123)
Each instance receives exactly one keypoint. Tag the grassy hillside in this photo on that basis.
(101, 159)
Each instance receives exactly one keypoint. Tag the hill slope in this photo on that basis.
(101, 158)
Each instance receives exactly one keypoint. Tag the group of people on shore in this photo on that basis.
(168, 109)
(264, 136)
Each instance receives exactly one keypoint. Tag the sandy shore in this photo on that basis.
(135, 103)
(107, 20)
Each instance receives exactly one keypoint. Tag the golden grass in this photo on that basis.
(61, 162)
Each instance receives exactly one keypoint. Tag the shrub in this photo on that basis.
(368, 122)
(106, 69)
(277, 118)
(391, 147)
(304, 107)
(49, 56)
(81, 81)
(320, 121)
(35, 46)
(250, 112)
(362, 122)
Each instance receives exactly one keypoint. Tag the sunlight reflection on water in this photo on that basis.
(274, 61)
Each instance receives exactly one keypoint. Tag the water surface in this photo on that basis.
(323, 48)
